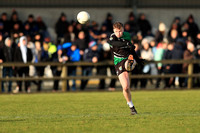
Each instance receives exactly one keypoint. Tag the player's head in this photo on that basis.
(118, 29)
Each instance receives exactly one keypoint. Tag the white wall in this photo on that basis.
(51, 15)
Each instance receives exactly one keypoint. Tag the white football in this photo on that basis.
(83, 17)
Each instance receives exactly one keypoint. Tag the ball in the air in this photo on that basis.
(83, 17)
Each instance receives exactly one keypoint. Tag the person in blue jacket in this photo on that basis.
(72, 55)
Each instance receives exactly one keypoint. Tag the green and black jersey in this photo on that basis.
(121, 47)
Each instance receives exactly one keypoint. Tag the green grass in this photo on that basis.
(101, 112)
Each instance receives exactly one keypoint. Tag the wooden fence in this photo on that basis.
(190, 75)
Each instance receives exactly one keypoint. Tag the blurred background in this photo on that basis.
(155, 10)
(160, 30)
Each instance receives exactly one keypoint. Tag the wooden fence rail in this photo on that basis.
(190, 74)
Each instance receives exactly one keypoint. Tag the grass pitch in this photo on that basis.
(101, 112)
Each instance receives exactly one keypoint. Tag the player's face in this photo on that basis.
(118, 32)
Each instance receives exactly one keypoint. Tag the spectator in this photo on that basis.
(96, 34)
(134, 27)
(161, 33)
(38, 37)
(176, 25)
(32, 23)
(91, 55)
(145, 26)
(160, 49)
(177, 54)
(197, 56)
(23, 55)
(27, 30)
(40, 56)
(2, 30)
(166, 67)
(147, 54)
(104, 32)
(78, 28)
(193, 27)
(173, 36)
(51, 47)
(137, 69)
(108, 22)
(61, 28)
(184, 36)
(94, 31)
(7, 57)
(127, 28)
(153, 46)
(105, 54)
(57, 57)
(188, 55)
(42, 28)
(72, 55)
(6, 24)
(32, 70)
(15, 29)
(14, 20)
(81, 43)
(70, 35)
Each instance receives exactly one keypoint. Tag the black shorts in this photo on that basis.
(120, 67)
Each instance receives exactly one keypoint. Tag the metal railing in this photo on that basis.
(190, 75)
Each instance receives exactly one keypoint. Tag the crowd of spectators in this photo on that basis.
(30, 41)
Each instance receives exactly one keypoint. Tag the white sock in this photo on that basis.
(130, 104)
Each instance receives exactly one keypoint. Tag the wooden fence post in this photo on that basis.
(64, 75)
(190, 72)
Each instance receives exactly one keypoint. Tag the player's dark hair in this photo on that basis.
(117, 25)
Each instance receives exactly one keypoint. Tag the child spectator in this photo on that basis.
(72, 55)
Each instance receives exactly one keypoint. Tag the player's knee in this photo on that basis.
(126, 88)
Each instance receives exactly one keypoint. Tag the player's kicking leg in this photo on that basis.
(125, 82)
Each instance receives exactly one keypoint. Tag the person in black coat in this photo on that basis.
(90, 55)
(177, 54)
(7, 56)
(145, 26)
(61, 28)
(22, 55)
(57, 57)
(166, 67)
